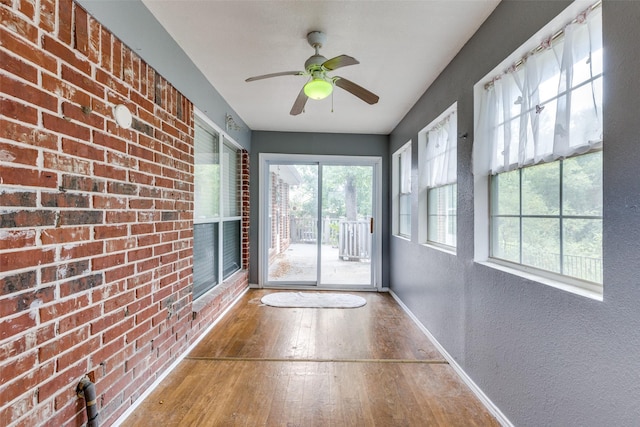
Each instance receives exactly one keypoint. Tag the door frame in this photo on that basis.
(265, 159)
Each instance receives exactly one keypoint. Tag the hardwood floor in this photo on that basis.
(267, 366)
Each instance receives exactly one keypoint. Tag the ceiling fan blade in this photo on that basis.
(359, 91)
(298, 105)
(339, 61)
(283, 73)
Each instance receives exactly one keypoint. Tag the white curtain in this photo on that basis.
(547, 108)
(441, 155)
(405, 170)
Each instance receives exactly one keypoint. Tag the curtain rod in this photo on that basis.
(582, 16)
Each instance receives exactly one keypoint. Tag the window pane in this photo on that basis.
(505, 242)
(231, 184)
(582, 185)
(541, 243)
(442, 211)
(506, 193)
(231, 247)
(206, 170)
(582, 240)
(405, 214)
(541, 189)
(205, 259)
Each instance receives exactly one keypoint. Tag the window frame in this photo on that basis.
(482, 184)
(424, 231)
(398, 209)
(222, 216)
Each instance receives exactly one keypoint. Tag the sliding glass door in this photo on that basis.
(318, 224)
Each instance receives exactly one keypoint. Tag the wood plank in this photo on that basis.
(265, 366)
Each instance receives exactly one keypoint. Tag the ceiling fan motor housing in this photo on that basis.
(316, 39)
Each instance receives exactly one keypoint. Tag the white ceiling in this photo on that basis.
(402, 47)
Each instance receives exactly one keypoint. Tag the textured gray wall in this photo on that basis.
(136, 27)
(317, 144)
(544, 356)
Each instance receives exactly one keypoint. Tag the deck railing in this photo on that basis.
(351, 237)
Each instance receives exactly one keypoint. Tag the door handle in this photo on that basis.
(371, 225)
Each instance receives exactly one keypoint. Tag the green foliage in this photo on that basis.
(555, 224)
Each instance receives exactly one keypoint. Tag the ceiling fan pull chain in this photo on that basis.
(332, 102)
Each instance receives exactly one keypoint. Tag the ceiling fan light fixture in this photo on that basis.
(318, 88)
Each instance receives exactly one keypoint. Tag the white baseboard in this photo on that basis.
(491, 407)
(157, 382)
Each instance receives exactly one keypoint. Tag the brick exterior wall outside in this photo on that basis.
(96, 221)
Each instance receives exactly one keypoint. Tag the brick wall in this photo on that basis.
(96, 221)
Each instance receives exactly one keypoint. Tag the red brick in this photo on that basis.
(118, 245)
(64, 380)
(26, 92)
(105, 352)
(28, 177)
(26, 382)
(82, 81)
(81, 217)
(116, 58)
(118, 302)
(81, 250)
(65, 200)
(109, 81)
(65, 20)
(66, 90)
(78, 354)
(11, 326)
(66, 127)
(51, 236)
(109, 171)
(26, 7)
(26, 258)
(63, 343)
(19, 26)
(47, 15)
(61, 271)
(80, 149)
(139, 254)
(119, 273)
(81, 183)
(19, 111)
(108, 141)
(105, 49)
(110, 231)
(62, 308)
(118, 330)
(142, 229)
(18, 67)
(24, 301)
(22, 406)
(109, 261)
(79, 318)
(27, 51)
(115, 217)
(82, 114)
(17, 239)
(107, 291)
(94, 40)
(81, 31)
(24, 218)
(80, 284)
(101, 323)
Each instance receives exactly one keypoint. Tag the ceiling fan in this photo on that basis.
(320, 85)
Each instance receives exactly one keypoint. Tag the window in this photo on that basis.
(402, 191)
(538, 151)
(217, 237)
(438, 175)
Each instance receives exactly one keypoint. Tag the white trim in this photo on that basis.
(484, 399)
(263, 202)
(180, 358)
